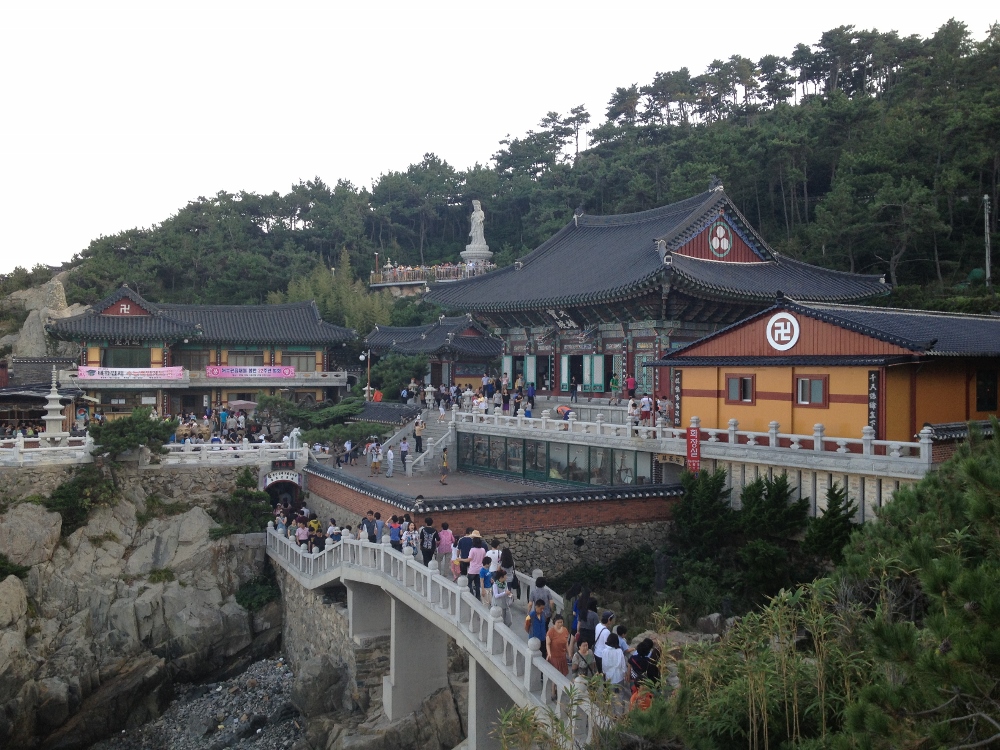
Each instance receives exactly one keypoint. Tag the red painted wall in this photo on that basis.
(726, 247)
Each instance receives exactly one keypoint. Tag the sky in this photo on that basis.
(115, 115)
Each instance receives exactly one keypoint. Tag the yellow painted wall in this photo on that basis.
(840, 419)
(225, 357)
(156, 357)
(897, 403)
(319, 361)
(93, 356)
(942, 393)
(277, 356)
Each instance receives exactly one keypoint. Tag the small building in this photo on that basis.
(607, 294)
(25, 393)
(191, 358)
(845, 367)
(459, 350)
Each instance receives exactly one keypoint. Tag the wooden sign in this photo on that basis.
(669, 458)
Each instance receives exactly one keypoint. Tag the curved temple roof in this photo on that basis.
(595, 259)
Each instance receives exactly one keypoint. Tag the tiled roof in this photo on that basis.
(33, 370)
(552, 496)
(806, 361)
(387, 412)
(597, 259)
(440, 337)
(762, 281)
(292, 323)
(289, 324)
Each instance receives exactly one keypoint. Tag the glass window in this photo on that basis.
(812, 391)
(576, 470)
(498, 453)
(190, 359)
(465, 449)
(130, 356)
(558, 460)
(515, 455)
(600, 466)
(535, 456)
(644, 468)
(986, 390)
(482, 449)
(246, 359)
(301, 361)
(624, 467)
(739, 389)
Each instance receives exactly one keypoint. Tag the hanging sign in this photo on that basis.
(130, 373)
(677, 398)
(694, 449)
(223, 371)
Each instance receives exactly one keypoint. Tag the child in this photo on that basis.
(486, 582)
(621, 630)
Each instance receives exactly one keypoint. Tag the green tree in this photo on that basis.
(829, 533)
(139, 429)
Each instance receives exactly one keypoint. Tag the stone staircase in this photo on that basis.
(433, 431)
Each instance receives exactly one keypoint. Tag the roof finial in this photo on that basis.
(576, 215)
(715, 185)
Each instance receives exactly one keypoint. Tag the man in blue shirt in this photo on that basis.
(464, 546)
(534, 624)
(531, 395)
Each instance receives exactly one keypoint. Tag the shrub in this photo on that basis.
(8, 568)
(255, 593)
(160, 575)
(74, 498)
(131, 432)
(156, 508)
(245, 511)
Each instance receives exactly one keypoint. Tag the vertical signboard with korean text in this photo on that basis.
(676, 388)
(873, 405)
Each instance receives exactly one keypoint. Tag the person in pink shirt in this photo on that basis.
(302, 534)
(446, 542)
(475, 560)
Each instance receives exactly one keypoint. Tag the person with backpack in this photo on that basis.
(429, 539)
(396, 534)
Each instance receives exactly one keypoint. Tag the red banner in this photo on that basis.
(694, 449)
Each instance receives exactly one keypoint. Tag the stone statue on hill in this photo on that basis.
(477, 249)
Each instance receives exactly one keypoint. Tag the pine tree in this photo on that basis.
(829, 534)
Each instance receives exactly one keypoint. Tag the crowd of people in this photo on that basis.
(591, 644)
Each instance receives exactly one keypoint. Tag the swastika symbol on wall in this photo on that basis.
(782, 331)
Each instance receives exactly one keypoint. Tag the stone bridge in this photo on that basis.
(421, 609)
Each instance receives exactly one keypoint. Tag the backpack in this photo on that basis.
(427, 538)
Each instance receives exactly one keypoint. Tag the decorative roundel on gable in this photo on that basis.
(720, 239)
(782, 331)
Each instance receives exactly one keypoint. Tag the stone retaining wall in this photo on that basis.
(18, 483)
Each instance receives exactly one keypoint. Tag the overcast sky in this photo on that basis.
(117, 114)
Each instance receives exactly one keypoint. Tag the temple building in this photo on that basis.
(191, 358)
(843, 366)
(607, 294)
(458, 349)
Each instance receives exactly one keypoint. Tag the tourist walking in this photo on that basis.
(507, 563)
(602, 633)
(446, 542)
(418, 435)
(584, 664)
(410, 540)
(368, 528)
(615, 669)
(540, 592)
(534, 625)
(475, 562)
(573, 388)
(502, 596)
(557, 643)
(389, 458)
(404, 452)
(464, 546)
(395, 534)
(429, 539)
(444, 465)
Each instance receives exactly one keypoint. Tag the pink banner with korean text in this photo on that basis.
(223, 371)
(130, 373)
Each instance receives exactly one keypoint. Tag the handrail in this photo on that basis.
(436, 597)
(422, 459)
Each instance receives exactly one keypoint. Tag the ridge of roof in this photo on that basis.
(687, 205)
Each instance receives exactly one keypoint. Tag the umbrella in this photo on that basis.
(246, 405)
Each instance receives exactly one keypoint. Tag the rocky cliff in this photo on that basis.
(108, 618)
(40, 303)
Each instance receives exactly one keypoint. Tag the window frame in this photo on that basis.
(239, 355)
(824, 403)
(741, 377)
(310, 355)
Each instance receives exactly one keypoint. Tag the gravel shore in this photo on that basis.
(251, 710)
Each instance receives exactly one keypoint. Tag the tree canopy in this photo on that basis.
(865, 151)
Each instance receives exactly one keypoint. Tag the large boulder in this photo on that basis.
(319, 687)
(29, 534)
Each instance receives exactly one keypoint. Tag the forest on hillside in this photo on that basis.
(865, 151)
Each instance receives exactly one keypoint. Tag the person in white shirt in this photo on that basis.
(615, 669)
(601, 635)
(389, 458)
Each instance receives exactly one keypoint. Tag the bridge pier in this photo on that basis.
(486, 700)
(418, 662)
(369, 608)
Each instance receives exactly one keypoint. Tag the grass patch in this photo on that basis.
(8, 568)
(160, 575)
(156, 508)
(222, 531)
(107, 536)
(254, 594)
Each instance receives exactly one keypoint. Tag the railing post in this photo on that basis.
(867, 440)
(545, 419)
(772, 433)
(571, 421)
(927, 445)
(454, 413)
(599, 421)
(734, 425)
(818, 431)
